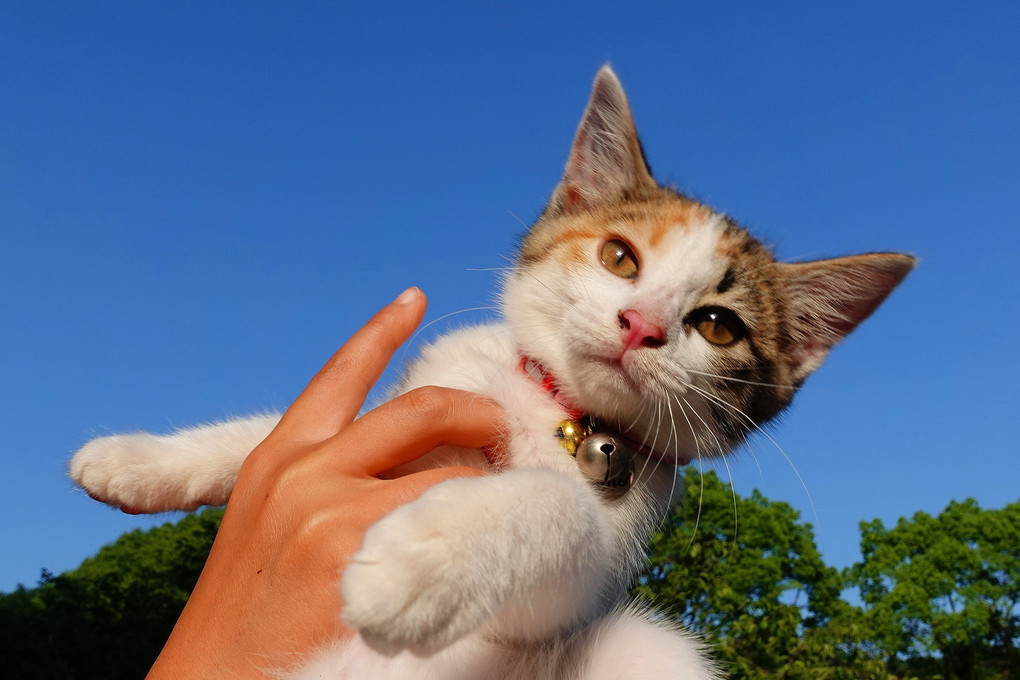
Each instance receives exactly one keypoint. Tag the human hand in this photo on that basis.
(269, 593)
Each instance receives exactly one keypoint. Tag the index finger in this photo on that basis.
(337, 392)
(402, 430)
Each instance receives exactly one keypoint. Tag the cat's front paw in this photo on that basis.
(132, 472)
(111, 468)
(415, 585)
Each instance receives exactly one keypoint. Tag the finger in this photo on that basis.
(413, 424)
(403, 490)
(416, 484)
(381, 497)
(337, 392)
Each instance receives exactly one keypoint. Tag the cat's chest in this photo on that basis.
(484, 359)
(475, 358)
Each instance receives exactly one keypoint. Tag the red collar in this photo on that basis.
(547, 382)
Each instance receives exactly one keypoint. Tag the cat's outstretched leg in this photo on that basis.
(180, 471)
(528, 546)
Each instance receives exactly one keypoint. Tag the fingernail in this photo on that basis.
(408, 296)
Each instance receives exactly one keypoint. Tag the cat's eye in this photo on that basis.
(718, 325)
(619, 259)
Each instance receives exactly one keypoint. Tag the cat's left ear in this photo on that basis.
(826, 300)
(606, 162)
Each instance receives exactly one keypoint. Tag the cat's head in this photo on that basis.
(657, 314)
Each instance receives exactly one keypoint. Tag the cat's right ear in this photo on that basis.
(828, 298)
(606, 162)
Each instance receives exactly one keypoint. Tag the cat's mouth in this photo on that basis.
(615, 370)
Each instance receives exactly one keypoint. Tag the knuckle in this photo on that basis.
(265, 460)
(375, 337)
(317, 528)
(256, 471)
(289, 482)
(258, 462)
(341, 365)
(431, 405)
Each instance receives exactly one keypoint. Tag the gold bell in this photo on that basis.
(571, 433)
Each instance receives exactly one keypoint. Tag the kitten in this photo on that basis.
(631, 306)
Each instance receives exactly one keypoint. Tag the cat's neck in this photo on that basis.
(547, 381)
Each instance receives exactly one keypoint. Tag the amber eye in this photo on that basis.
(619, 259)
(718, 325)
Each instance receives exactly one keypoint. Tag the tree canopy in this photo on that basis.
(940, 595)
(943, 593)
(109, 617)
(747, 575)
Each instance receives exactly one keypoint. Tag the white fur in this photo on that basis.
(570, 322)
(532, 556)
(148, 473)
(519, 574)
(623, 645)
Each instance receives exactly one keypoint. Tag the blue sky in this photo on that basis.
(200, 201)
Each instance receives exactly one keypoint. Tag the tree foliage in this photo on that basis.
(943, 593)
(746, 574)
(109, 617)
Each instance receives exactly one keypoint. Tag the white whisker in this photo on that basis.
(738, 380)
(761, 430)
(513, 215)
(701, 476)
(733, 492)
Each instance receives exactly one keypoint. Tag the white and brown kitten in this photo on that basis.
(630, 303)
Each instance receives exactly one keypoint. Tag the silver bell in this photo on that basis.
(607, 461)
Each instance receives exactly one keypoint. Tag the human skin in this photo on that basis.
(269, 591)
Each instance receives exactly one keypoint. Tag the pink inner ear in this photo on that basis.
(829, 298)
(857, 309)
(605, 162)
(808, 353)
(574, 198)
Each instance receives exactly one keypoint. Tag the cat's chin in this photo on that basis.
(615, 383)
(608, 382)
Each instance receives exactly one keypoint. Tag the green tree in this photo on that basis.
(746, 574)
(943, 593)
(109, 617)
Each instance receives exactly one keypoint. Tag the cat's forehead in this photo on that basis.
(671, 228)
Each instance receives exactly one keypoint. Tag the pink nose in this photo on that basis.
(639, 331)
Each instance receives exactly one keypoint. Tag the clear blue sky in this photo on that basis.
(200, 201)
